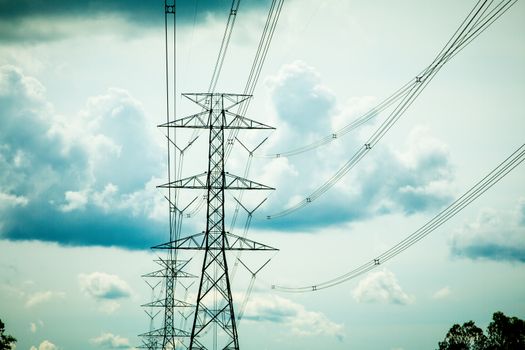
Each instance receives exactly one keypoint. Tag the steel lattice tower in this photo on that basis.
(171, 267)
(214, 324)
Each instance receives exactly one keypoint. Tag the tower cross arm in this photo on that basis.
(232, 182)
(163, 303)
(196, 182)
(163, 273)
(195, 121)
(198, 242)
(160, 333)
(210, 100)
(236, 121)
(202, 120)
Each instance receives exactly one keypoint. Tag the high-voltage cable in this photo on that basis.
(497, 174)
(250, 288)
(476, 22)
(483, 16)
(245, 175)
(251, 83)
(356, 123)
(224, 44)
(258, 62)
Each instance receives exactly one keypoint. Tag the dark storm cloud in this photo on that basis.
(145, 11)
(89, 227)
(493, 236)
(490, 251)
(74, 188)
(15, 15)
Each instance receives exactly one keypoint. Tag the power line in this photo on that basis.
(475, 23)
(491, 16)
(224, 44)
(258, 62)
(497, 174)
(356, 123)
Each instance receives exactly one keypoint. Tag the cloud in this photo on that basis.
(45, 345)
(111, 341)
(103, 286)
(26, 20)
(411, 178)
(300, 98)
(74, 200)
(423, 173)
(521, 212)
(42, 297)
(301, 322)
(108, 306)
(493, 235)
(34, 326)
(78, 180)
(404, 178)
(442, 293)
(12, 200)
(380, 287)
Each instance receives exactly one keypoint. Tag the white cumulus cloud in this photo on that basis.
(42, 297)
(111, 341)
(103, 286)
(414, 176)
(75, 200)
(12, 200)
(380, 287)
(45, 345)
(442, 293)
(300, 321)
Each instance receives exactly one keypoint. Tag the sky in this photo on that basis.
(81, 93)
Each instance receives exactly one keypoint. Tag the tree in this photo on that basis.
(6, 340)
(503, 333)
(465, 337)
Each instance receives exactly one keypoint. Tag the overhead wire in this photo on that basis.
(253, 77)
(257, 65)
(489, 180)
(213, 82)
(462, 37)
(167, 81)
(356, 123)
(396, 96)
(224, 44)
(249, 290)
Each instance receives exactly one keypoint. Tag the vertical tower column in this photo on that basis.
(214, 325)
(214, 301)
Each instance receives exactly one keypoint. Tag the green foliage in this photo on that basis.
(503, 333)
(6, 340)
(465, 337)
(506, 333)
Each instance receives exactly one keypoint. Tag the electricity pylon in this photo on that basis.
(214, 324)
(167, 336)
